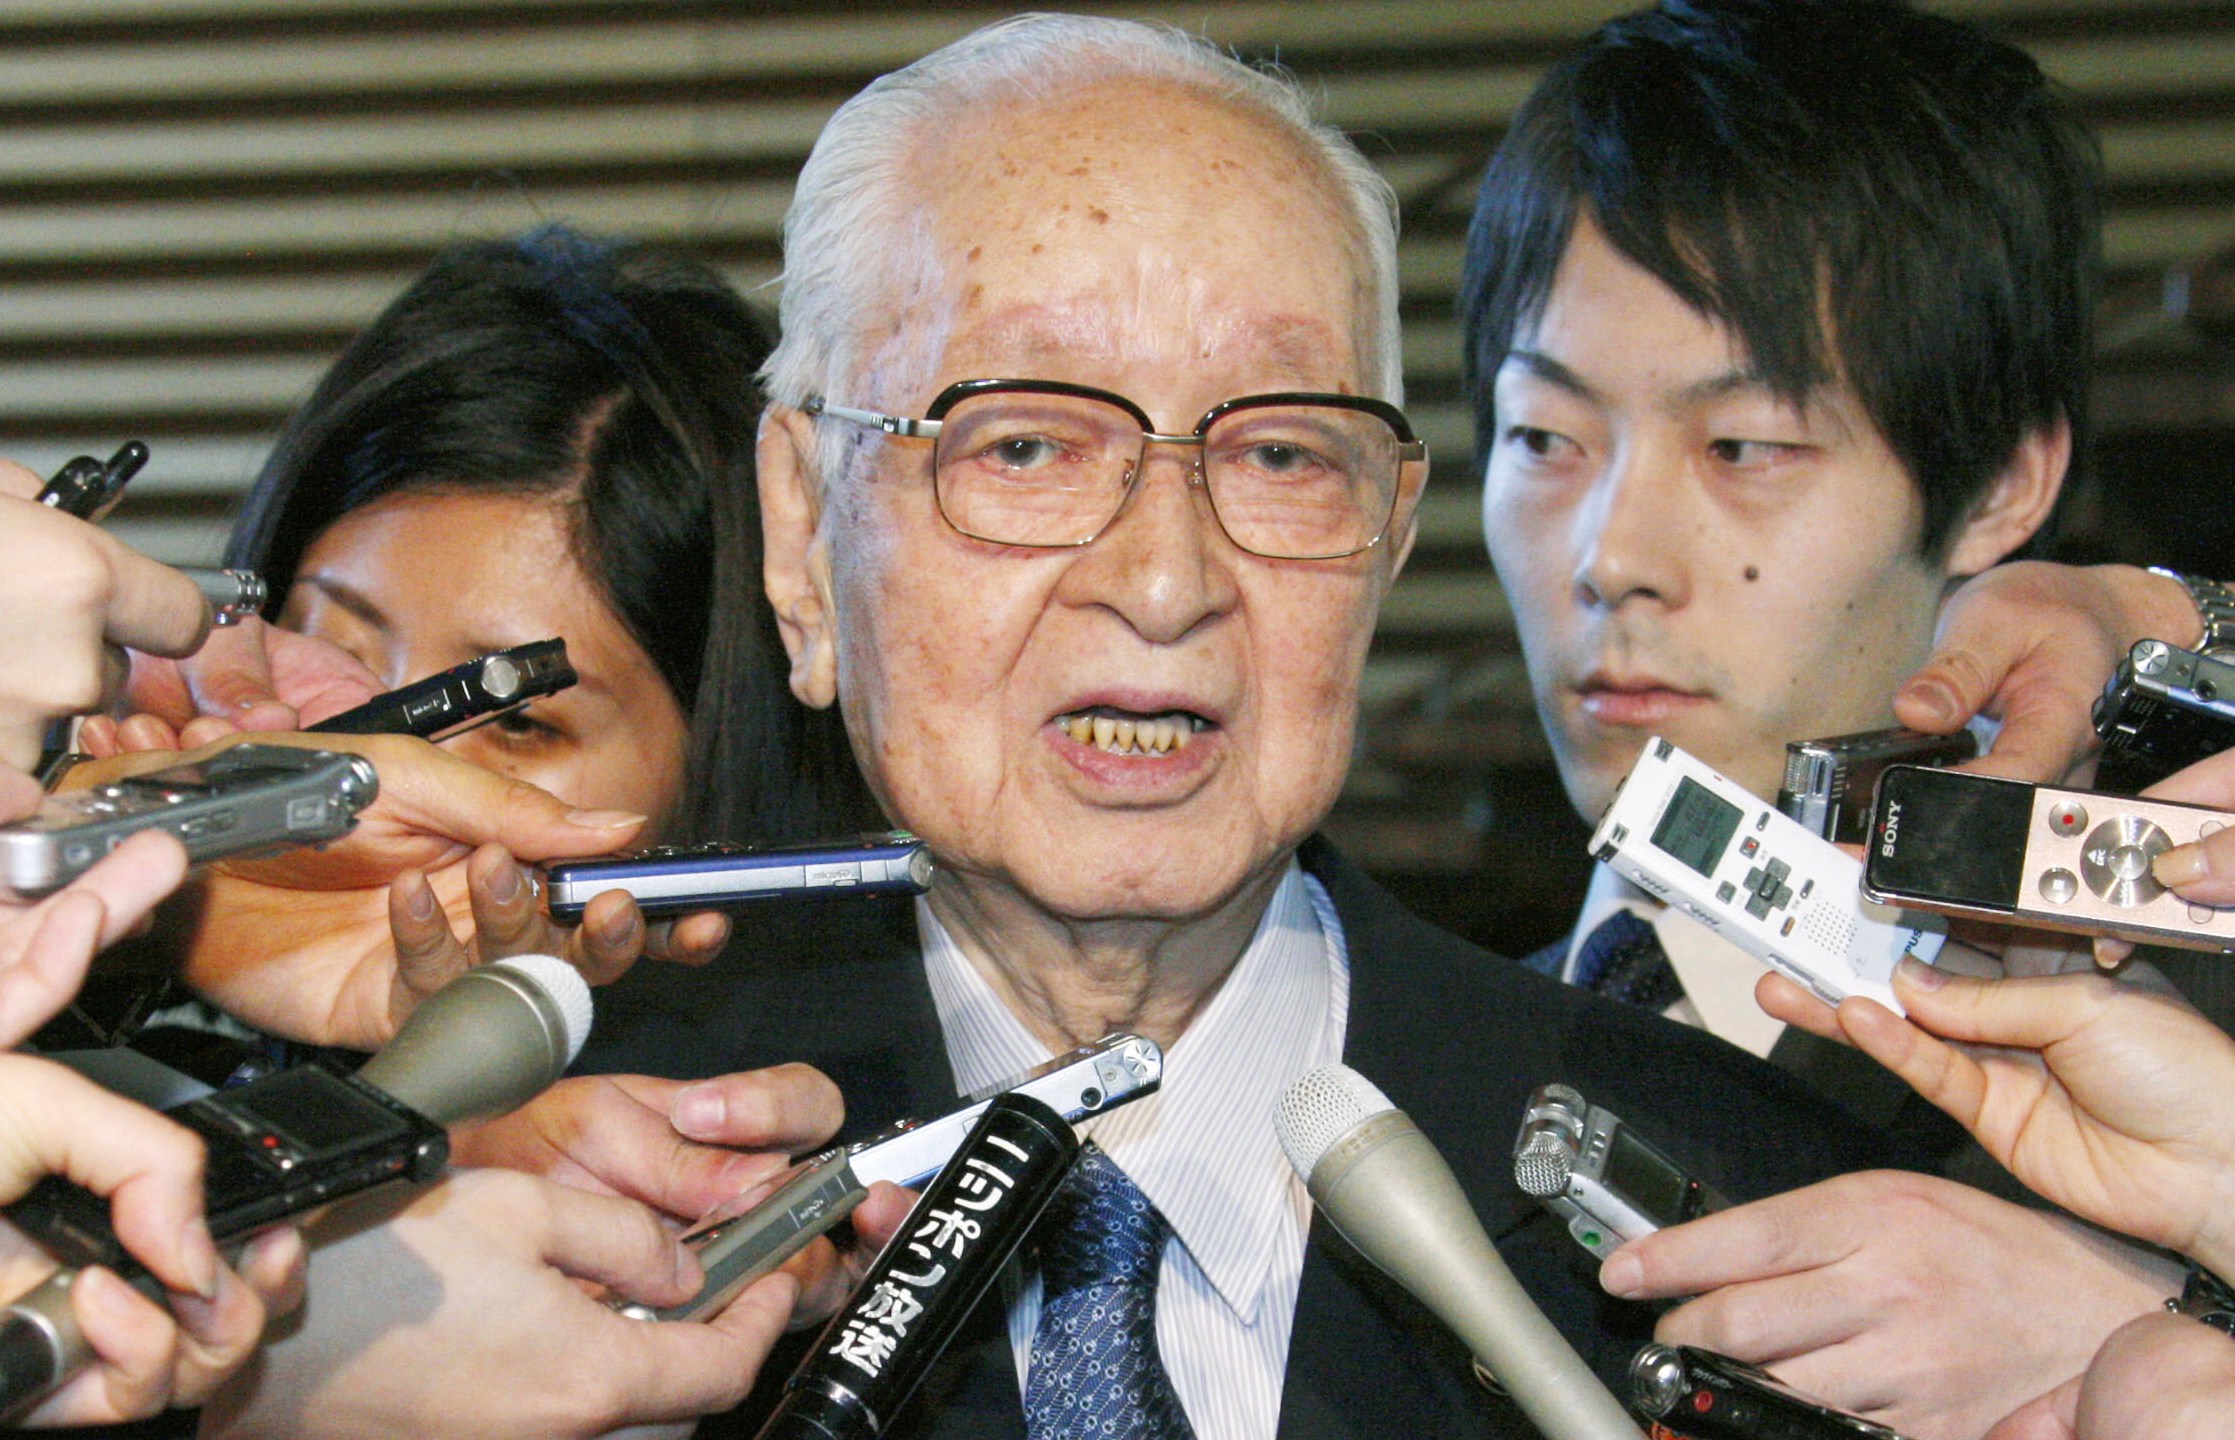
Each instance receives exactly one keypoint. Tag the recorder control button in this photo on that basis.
(2059, 886)
(2115, 860)
(2067, 818)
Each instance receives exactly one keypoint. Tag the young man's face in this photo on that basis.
(1686, 554)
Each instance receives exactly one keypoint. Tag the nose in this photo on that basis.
(1633, 531)
(1163, 565)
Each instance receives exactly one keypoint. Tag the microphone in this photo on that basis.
(488, 1042)
(1382, 1185)
(879, 1346)
(485, 1043)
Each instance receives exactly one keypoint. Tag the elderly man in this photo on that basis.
(1081, 498)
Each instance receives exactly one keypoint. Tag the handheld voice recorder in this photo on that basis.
(1692, 1394)
(1757, 877)
(244, 799)
(2021, 854)
(87, 488)
(457, 699)
(1600, 1175)
(1828, 782)
(276, 1147)
(678, 879)
(2164, 710)
(745, 1239)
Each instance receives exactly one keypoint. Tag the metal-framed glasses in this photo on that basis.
(1291, 476)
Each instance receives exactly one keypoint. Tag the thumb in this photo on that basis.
(2054, 1416)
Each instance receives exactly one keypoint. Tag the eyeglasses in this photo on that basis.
(1290, 476)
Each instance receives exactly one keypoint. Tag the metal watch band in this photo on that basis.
(2207, 1298)
(2215, 606)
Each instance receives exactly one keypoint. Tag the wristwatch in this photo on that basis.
(2215, 606)
(2206, 1297)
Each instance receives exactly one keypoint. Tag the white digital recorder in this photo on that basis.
(1758, 878)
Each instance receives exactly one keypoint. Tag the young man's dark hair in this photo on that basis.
(1856, 189)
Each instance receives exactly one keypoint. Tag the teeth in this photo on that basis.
(1156, 735)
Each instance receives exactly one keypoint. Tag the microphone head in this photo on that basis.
(1322, 1107)
(566, 991)
(489, 1041)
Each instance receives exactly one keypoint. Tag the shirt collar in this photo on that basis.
(1203, 1148)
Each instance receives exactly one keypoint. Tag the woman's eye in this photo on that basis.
(522, 726)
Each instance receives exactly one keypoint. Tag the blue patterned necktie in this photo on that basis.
(1095, 1370)
(1623, 960)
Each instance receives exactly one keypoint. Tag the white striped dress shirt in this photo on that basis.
(1202, 1149)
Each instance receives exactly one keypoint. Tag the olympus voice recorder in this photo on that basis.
(462, 697)
(680, 879)
(242, 800)
(2075, 860)
(2164, 710)
(277, 1147)
(743, 1240)
(1828, 782)
(1758, 878)
(1691, 1394)
(1599, 1175)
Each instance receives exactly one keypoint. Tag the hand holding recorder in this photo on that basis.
(70, 598)
(2116, 1102)
(300, 944)
(2031, 645)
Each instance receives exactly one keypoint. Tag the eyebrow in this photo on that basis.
(348, 598)
(1712, 387)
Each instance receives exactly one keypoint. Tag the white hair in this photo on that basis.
(857, 209)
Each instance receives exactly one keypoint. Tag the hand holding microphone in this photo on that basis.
(1381, 1184)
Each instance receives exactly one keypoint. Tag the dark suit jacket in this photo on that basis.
(1456, 1036)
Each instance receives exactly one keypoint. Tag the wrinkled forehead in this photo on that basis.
(1124, 231)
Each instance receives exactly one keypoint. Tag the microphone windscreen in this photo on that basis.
(1321, 1107)
(487, 1042)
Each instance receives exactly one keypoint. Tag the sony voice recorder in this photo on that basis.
(2076, 860)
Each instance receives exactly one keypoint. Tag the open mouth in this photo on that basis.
(1126, 732)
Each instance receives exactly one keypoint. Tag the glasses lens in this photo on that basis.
(1018, 468)
(1302, 482)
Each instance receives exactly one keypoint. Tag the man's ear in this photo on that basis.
(2016, 503)
(796, 551)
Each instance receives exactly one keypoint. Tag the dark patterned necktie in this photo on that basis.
(1623, 960)
(1095, 1370)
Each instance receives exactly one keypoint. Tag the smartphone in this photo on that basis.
(1828, 782)
(679, 879)
(1692, 1394)
(1757, 877)
(276, 1147)
(2165, 709)
(743, 1240)
(1609, 1183)
(2034, 855)
(89, 489)
(239, 801)
(458, 699)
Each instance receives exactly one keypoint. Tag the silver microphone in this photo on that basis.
(488, 1042)
(1381, 1184)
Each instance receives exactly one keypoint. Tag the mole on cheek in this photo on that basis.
(1753, 573)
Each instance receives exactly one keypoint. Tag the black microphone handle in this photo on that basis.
(971, 1219)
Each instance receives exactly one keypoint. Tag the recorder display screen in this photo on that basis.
(1645, 1179)
(1697, 826)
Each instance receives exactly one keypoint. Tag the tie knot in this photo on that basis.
(1100, 1230)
